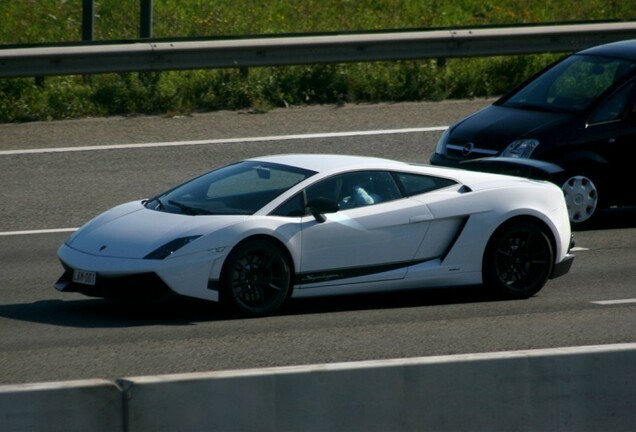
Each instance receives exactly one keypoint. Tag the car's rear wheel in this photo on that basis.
(582, 198)
(257, 278)
(518, 260)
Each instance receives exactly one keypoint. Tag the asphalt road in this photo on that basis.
(50, 336)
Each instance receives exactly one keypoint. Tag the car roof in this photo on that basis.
(331, 162)
(624, 49)
(328, 164)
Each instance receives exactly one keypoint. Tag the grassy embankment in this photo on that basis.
(46, 21)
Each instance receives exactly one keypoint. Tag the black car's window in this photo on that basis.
(349, 190)
(241, 188)
(614, 107)
(415, 184)
(571, 85)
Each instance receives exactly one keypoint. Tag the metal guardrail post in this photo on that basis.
(88, 20)
(145, 19)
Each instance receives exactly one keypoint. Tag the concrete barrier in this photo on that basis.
(566, 389)
(572, 389)
(88, 405)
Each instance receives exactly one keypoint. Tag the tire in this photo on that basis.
(256, 278)
(582, 197)
(518, 261)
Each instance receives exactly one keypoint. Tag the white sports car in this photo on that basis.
(253, 233)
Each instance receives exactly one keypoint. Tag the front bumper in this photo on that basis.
(519, 167)
(187, 275)
(443, 160)
(129, 287)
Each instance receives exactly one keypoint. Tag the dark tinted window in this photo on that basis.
(571, 85)
(614, 107)
(415, 184)
(349, 190)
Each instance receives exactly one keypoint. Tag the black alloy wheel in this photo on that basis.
(257, 278)
(518, 260)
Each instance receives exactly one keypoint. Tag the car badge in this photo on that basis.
(468, 149)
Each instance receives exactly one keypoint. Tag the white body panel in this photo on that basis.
(433, 239)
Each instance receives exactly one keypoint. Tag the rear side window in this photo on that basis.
(415, 184)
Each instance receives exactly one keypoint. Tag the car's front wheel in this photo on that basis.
(582, 198)
(519, 259)
(256, 278)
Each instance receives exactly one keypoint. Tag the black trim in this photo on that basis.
(131, 287)
(213, 285)
(351, 272)
(563, 267)
(460, 229)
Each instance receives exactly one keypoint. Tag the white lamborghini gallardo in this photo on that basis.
(254, 233)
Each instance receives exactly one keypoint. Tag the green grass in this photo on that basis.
(47, 21)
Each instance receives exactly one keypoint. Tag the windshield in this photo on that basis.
(241, 188)
(571, 85)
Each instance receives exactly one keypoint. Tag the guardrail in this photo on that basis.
(158, 55)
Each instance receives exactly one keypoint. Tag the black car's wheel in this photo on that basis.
(518, 260)
(256, 278)
(582, 198)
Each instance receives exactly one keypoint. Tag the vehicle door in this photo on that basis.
(374, 236)
(612, 135)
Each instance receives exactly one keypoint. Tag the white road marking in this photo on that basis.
(31, 232)
(200, 142)
(578, 249)
(614, 302)
(222, 141)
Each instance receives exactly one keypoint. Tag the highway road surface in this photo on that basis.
(57, 175)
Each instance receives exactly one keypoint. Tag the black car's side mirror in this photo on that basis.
(320, 206)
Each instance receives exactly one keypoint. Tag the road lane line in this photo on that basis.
(193, 143)
(222, 141)
(31, 232)
(614, 302)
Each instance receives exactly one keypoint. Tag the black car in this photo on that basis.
(579, 114)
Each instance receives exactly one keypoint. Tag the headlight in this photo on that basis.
(521, 148)
(170, 248)
(441, 143)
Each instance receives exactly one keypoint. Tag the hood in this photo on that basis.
(495, 127)
(133, 231)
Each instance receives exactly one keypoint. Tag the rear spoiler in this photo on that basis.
(519, 167)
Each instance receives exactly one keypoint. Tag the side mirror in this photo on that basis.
(320, 206)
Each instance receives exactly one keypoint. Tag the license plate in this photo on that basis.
(84, 277)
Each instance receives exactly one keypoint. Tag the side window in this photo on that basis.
(415, 184)
(362, 188)
(614, 107)
(350, 190)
